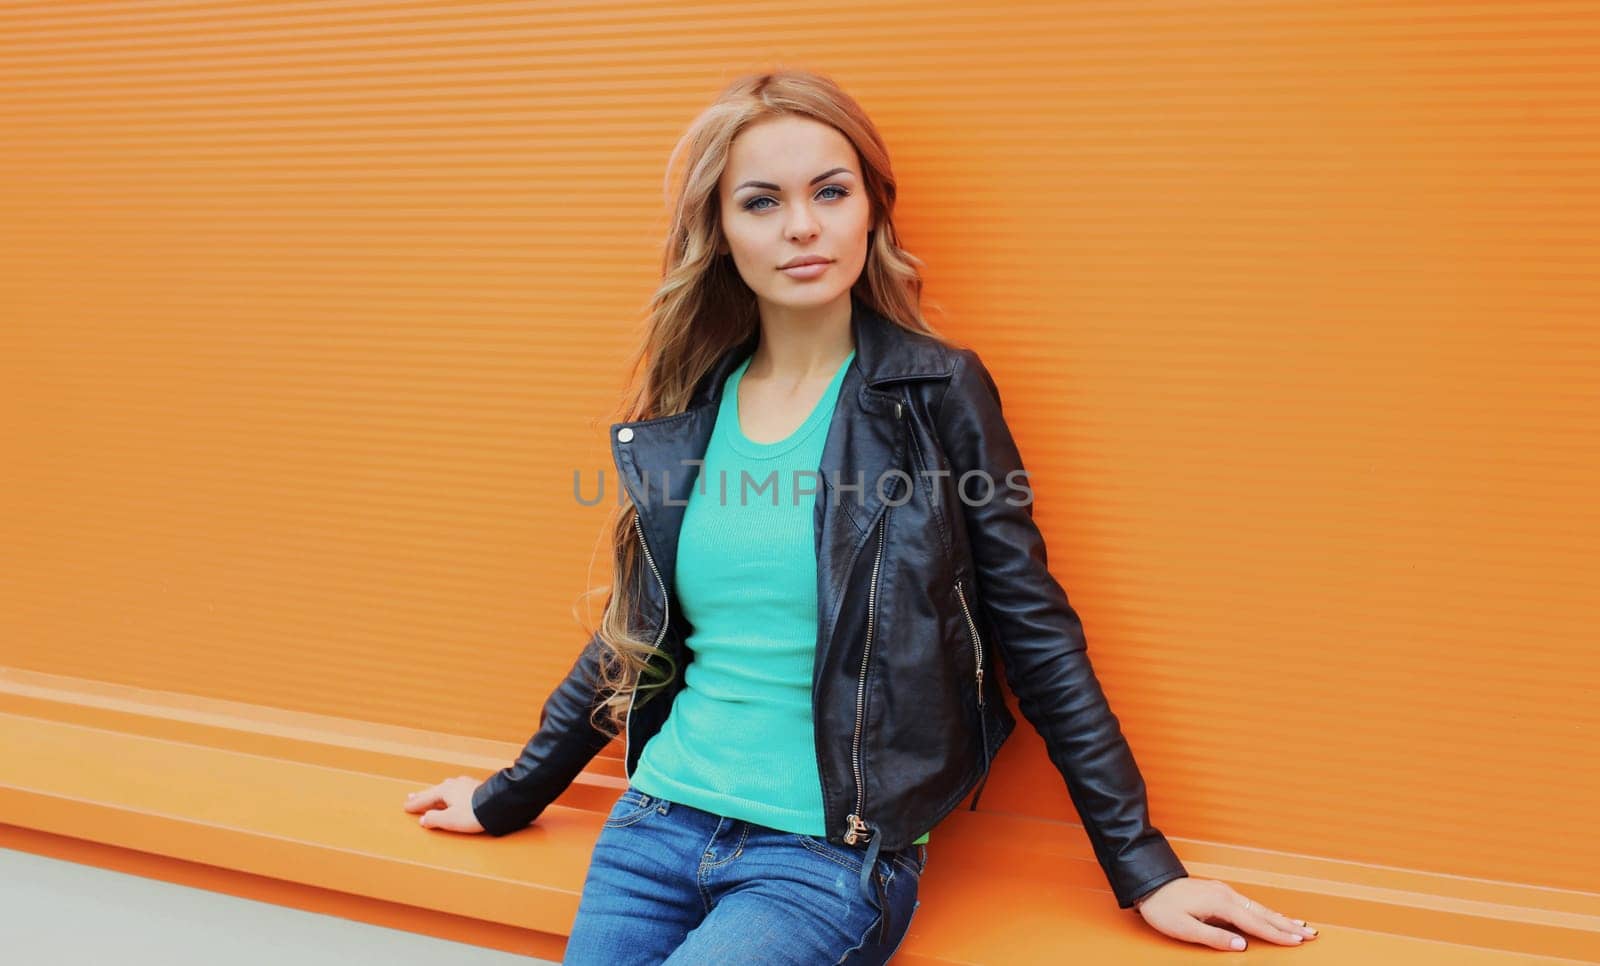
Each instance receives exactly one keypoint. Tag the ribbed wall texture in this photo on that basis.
(312, 310)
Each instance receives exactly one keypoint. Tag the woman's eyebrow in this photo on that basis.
(772, 187)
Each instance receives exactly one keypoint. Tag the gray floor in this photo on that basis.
(68, 914)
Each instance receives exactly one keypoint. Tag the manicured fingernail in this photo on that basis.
(1238, 943)
(1295, 938)
(1298, 922)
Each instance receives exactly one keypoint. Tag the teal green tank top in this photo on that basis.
(739, 739)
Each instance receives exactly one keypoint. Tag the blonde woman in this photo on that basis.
(826, 553)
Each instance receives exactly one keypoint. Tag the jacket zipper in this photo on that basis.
(666, 613)
(857, 822)
(983, 721)
(977, 643)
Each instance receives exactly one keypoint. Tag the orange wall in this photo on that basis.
(310, 312)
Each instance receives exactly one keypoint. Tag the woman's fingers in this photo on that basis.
(1270, 924)
(447, 805)
(426, 798)
(1205, 934)
(1251, 917)
(439, 795)
(1197, 910)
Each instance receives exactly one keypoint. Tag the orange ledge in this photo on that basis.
(305, 811)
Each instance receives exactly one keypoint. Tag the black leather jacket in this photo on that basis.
(921, 593)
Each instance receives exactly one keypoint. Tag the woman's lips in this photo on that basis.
(806, 271)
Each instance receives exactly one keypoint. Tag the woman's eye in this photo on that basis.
(752, 206)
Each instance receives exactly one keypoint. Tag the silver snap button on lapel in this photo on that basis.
(624, 434)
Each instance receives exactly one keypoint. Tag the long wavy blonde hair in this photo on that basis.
(703, 308)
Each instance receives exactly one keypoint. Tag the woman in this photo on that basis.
(801, 539)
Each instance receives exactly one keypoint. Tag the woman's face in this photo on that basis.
(793, 188)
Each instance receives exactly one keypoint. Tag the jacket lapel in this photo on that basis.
(866, 440)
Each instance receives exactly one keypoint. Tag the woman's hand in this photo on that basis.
(1183, 907)
(447, 805)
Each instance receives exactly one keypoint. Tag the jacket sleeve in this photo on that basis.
(1041, 641)
(564, 744)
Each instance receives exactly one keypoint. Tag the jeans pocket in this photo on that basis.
(631, 806)
(842, 854)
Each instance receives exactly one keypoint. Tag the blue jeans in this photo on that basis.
(670, 883)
